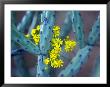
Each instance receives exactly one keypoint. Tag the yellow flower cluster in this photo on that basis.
(69, 44)
(56, 31)
(53, 60)
(35, 34)
(56, 43)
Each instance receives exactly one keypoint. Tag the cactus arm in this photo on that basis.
(35, 21)
(25, 21)
(47, 20)
(66, 27)
(27, 45)
(46, 30)
(78, 27)
(65, 30)
(74, 66)
(95, 33)
(41, 72)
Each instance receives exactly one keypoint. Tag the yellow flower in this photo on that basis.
(27, 35)
(36, 39)
(46, 61)
(56, 31)
(54, 64)
(36, 36)
(57, 63)
(38, 28)
(53, 55)
(57, 49)
(69, 45)
(56, 28)
(33, 32)
(67, 37)
(57, 42)
(60, 63)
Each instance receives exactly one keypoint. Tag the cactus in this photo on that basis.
(77, 24)
(66, 27)
(82, 55)
(76, 62)
(47, 20)
(41, 25)
(35, 21)
(25, 21)
(22, 41)
(95, 33)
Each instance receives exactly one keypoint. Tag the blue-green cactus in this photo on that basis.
(81, 57)
(25, 21)
(72, 23)
(74, 66)
(47, 23)
(35, 21)
(26, 44)
(78, 27)
(66, 27)
(95, 33)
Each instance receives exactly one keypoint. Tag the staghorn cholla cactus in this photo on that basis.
(45, 20)
(78, 27)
